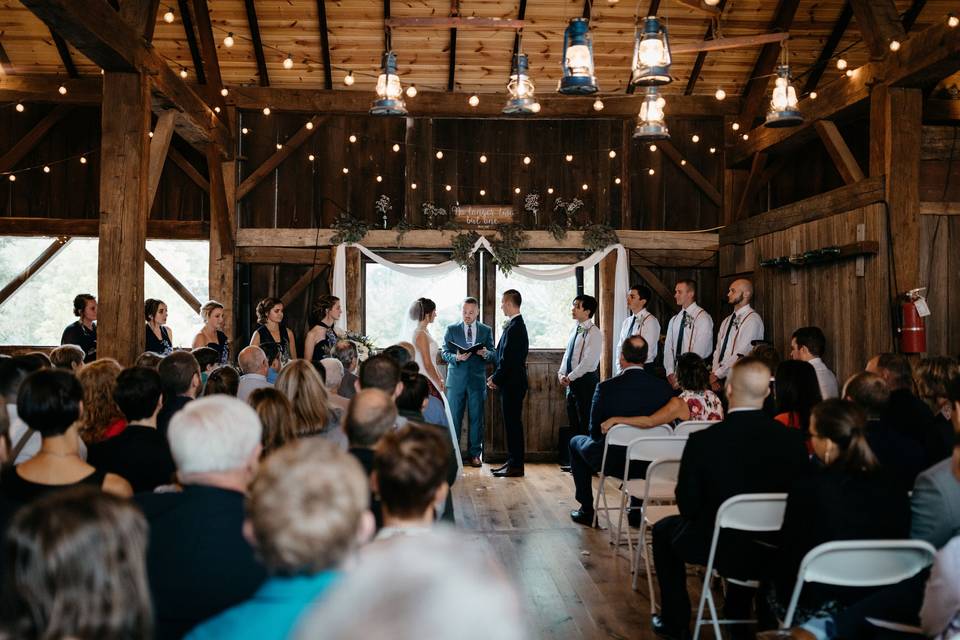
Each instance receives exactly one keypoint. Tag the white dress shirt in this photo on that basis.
(587, 348)
(697, 337)
(747, 327)
(827, 380)
(644, 324)
(250, 382)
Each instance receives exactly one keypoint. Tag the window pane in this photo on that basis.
(546, 305)
(389, 295)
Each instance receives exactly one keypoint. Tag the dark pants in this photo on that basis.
(579, 400)
(586, 456)
(511, 404)
(900, 602)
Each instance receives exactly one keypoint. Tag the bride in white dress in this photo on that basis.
(423, 312)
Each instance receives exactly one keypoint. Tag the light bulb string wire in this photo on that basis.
(51, 163)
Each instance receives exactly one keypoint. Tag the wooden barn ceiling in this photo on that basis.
(482, 61)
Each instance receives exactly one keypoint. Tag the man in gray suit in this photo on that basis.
(466, 374)
(936, 493)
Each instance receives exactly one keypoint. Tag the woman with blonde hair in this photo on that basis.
(276, 416)
(322, 337)
(312, 412)
(101, 417)
(212, 335)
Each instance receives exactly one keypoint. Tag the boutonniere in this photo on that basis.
(580, 329)
(689, 321)
(505, 323)
(736, 321)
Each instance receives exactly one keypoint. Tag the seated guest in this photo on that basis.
(253, 365)
(49, 402)
(372, 413)
(272, 352)
(746, 453)
(901, 456)
(148, 359)
(208, 358)
(79, 570)
(180, 377)
(380, 372)
(276, 417)
(847, 497)
(409, 474)
(798, 391)
(695, 402)
(83, 332)
(632, 393)
(932, 375)
(809, 344)
(139, 454)
(311, 409)
(198, 561)
(67, 356)
(332, 378)
(101, 417)
(940, 614)
(306, 513)
(346, 352)
(768, 355)
(434, 412)
(935, 502)
(223, 380)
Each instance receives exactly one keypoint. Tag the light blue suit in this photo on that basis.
(467, 380)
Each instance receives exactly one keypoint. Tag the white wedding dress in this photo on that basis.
(434, 349)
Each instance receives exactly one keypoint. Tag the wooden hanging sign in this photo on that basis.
(482, 215)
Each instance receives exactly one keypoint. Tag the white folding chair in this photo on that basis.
(645, 449)
(756, 512)
(661, 479)
(860, 563)
(690, 426)
(619, 435)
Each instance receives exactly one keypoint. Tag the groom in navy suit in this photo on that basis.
(466, 374)
(510, 378)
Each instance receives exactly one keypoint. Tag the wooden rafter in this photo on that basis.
(387, 39)
(142, 16)
(27, 143)
(736, 42)
(21, 278)
(839, 152)
(521, 14)
(325, 44)
(6, 67)
(89, 227)
(64, 51)
(281, 154)
(208, 51)
(172, 280)
(879, 24)
(910, 16)
(829, 47)
(219, 208)
(662, 290)
(187, 167)
(699, 5)
(452, 63)
(702, 55)
(698, 179)
(16, 88)
(257, 42)
(453, 22)
(159, 145)
(302, 283)
(755, 91)
(191, 36)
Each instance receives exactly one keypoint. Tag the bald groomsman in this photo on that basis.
(640, 322)
(737, 331)
(691, 330)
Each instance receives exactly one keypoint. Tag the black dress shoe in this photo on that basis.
(582, 517)
(663, 631)
(565, 468)
(475, 461)
(509, 472)
(504, 466)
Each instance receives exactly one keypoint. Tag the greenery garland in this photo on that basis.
(506, 246)
(462, 245)
(349, 229)
(597, 237)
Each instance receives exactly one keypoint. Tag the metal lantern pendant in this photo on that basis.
(389, 100)
(783, 104)
(578, 78)
(520, 88)
(650, 123)
(651, 54)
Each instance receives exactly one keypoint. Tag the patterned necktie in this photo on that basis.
(469, 335)
(683, 326)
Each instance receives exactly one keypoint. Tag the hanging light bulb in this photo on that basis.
(228, 40)
(266, 111)
(653, 148)
(83, 160)
(413, 185)
(616, 181)
(568, 158)
(279, 146)
(379, 178)
(711, 3)
(396, 147)
(650, 122)
(521, 89)
(612, 154)
(550, 190)
(288, 62)
(953, 21)
(216, 109)
(474, 100)
(894, 45)
(535, 107)
(62, 90)
(483, 192)
(578, 70)
(448, 188)
(168, 16)
(349, 79)
(389, 100)
(651, 54)
(841, 64)
(439, 155)
(311, 157)
(20, 108)
(224, 92)
(720, 94)
(483, 158)
(244, 131)
(584, 186)
(412, 91)
(783, 104)
(345, 171)
(183, 72)
(309, 125)
(598, 105)
(527, 160)
(12, 178)
(46, 168)
(352, 138)
(695, 138)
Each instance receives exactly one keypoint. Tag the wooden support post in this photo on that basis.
(26, 144)
(173, 281)
(354, 290)
(608, 293)
(124, 177)
(473, 276)
(21, 278)
(159, 145)
(222, 249)
(839, 152)
(489, 302)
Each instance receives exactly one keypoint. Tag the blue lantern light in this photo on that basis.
(578, 72)
(651, 54)
(389, 100)
(520, 88)
(651, 123)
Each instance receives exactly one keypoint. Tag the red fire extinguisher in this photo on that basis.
(913, 333)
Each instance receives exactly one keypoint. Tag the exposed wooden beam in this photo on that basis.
(452, 63)
(854, 196)
(829, 47)
(282, 255)
(701, 56)
(735, 42)
(98, 31)
(839, 152)
(941, 111)
(302, 283)
(208, 50)
(187, 167)
(89, 228)
(6, 67)
(940, 208)
(705, 186)
(257, 42)
(16, 88)
(302, 135)
(21, 278)
(325, 45)
(64, 52)
(387, 38)
(910, 16)
(219, 212)
(172, 280)
(454, 22)
(141, 15)
(755, 92)
(655, 6)
(444, 104)
(879, 23)
(661, 289)
(191, 36)
(28, 142)
(521, 14)
(221, 285)
(752, 185)
(159, 145)
(699, 5)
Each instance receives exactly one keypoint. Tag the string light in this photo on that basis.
(439, 155)
(379, 178)
(396, 148)
(720, 94)
(224, 92)
(413, 185)
(696, 138)
(894, 45)
(12, 178)
(953, 21)
(46, 168)
(841, 64)
(183, 72)
(584, 186)
(311, 157)
(612, 154)
(20, 107)
(244, 131)
(569, 158)
(483, 192)
(412, 91)
(447, 188)
(150, 134)
(616, 181)
(228, 41)
(62, 90)
(516, 190)
(549, 189)
(652, 148)
(598, 105)
(266, 111)
(746, 136)
(683, 163)
(353, 138)
(651, 171)
(473, 101)
(349, 79)
(483, 158)
(849, 73)
(83, 160)
(346, 171)
(813, 95)
(526, 160)
(288, 62)
(713, 149)
(735, 126)
(216, 109)
(279, 146)
(168, 16)
(309, 125)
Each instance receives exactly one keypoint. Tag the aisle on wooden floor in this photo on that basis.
(571, 582)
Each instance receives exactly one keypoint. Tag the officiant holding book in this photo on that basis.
(467, 348)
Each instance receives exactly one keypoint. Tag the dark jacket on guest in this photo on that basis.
(139, 454)
(198, 561)
(512, 351)
(748, 452)
(632, 393)
(902, 457)
(170, 407)
(911, 416)
(364, 456)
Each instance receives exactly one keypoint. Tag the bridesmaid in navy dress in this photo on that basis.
(322, 337)
(159, 337)
(273, 330)
(212, 335)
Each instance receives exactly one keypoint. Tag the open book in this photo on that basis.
(462, 349)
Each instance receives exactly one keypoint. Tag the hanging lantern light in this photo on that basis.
(650, 123)
(651, 54)
(389, 100)
(578, 78)
(783, 104)
(520, 88)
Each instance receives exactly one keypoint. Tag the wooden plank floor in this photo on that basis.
(571, 583)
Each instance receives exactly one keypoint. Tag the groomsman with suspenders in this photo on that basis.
(640, 322)
(579, 369)
(737, 332)
(691, 330)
